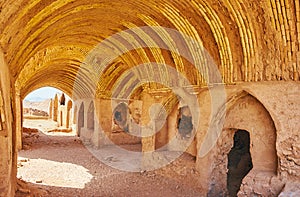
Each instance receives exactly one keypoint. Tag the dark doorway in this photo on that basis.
(185, 123)
(239, 161)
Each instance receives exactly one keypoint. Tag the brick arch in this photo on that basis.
(244, 112)
(255, 118)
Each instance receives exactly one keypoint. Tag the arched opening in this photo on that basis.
(43, 123)
(90, 116)
(62, 99)
(41, 104)
(47, 103)
(120, 116)
(125, 125)
(249, 114)
(244, 112)
(174, 121)
(184, 123)
(239, 161)
(80, 122)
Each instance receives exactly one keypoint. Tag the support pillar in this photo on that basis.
(19, 120)
(55, 108)
(51, 109)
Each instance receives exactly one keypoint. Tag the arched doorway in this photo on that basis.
(184, 123)
(80, 122)
(239, 161)
(249, 114)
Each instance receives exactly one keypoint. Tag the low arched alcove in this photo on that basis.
(246, 113)
(184, 122)
(177, 124)
(249, 114)
(125, 126)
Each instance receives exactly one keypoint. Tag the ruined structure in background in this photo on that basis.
(62, 111)
(149, 75)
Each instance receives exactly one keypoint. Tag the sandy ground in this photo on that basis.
(58, 164)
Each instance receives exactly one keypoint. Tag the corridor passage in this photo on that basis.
(58, 164)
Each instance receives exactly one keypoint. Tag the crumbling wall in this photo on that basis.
(249, 114)
(61, 111)
(271, 115)
(283, 103)
(120, 122)
(105, 131)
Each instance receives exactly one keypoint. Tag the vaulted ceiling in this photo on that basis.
(48, 42)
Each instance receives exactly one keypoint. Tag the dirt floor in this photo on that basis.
(58, 164)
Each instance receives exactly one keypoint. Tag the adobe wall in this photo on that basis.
(269, 111)
(159, 110)
(65, 114)
(62, 114)
(7, 147)
(104, 131)
(157, 130)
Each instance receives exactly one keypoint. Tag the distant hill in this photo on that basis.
(40, 105)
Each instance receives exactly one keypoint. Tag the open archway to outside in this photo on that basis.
(48, 104)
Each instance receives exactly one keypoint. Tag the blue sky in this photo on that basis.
(42, 94)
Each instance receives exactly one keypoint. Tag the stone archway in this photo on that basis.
(249, 114)
(245, 113)
(175, 122)
(80, 122)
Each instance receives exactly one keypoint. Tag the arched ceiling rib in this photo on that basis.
(46, 41)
